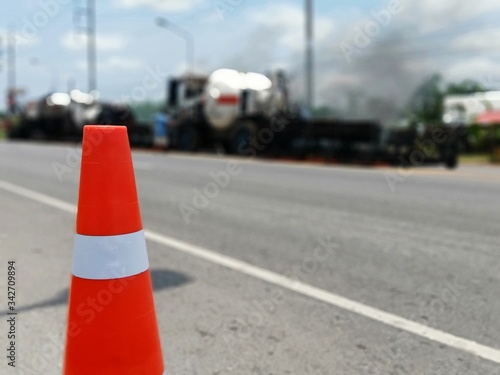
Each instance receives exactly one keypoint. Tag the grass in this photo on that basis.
(3, 132)
(475, 159)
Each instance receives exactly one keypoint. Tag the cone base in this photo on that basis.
(112, 328)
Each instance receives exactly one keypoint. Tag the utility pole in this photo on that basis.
(309, 58)
(11, 60)
(88, 12)
(11, 72)
(91, 46)
(2, 51)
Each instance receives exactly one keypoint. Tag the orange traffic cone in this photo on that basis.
(112, 327)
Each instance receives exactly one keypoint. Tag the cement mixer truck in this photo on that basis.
(233, 109)
(251, 114)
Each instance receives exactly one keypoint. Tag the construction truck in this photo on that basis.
(252, 114)
(232, 109)
(61, 116)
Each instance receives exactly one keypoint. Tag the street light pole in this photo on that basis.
(184, 34)
(11, 61)
(11, 72)
(309, 58)
(88, 12)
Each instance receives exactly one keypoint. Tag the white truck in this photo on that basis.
(250, 114)
(227, 107)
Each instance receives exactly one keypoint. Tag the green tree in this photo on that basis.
(144, 111)
(323, 111)
(467, 86)
(426, 103)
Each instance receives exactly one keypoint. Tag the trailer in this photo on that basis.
(61, 116)
(252, 114)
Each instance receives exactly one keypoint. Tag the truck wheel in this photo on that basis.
(140, 135)
(36, 130)
(450, 158)
(37, 135)
(16, 133)
(239, 141)
(188, 138)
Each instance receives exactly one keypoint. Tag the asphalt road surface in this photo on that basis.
(273, 267)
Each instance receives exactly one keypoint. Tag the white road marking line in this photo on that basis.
(318, 294)
(39, 197)
(328, 297)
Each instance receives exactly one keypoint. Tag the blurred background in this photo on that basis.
(392, 62)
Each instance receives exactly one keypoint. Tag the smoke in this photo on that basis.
(259, 52)
(376, 83)
(370, 68)
(373, 66)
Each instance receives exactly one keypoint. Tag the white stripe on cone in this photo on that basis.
(109, 257)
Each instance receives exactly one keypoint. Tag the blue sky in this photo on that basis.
(459, 39)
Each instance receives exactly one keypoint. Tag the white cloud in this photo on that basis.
(103, 42)
(121, 63)
(478, 68)
(484, 40)
(458, 10)
(116, 63)
(163, 5)
(433, 14)
(288, 20)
